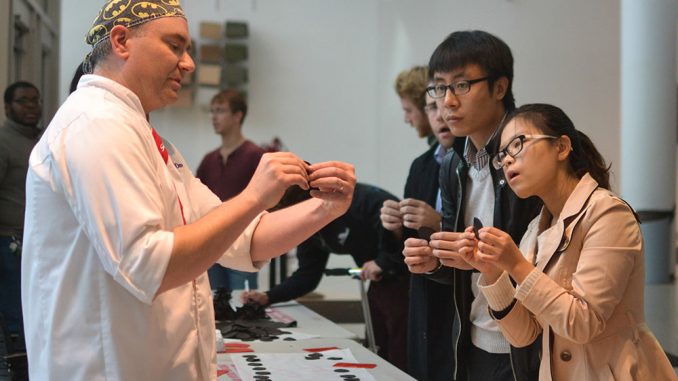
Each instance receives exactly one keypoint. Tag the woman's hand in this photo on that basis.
(497, 247)
(489, 270)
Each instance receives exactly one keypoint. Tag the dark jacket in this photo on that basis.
(358, 233)
(429, 336)
(512, 215)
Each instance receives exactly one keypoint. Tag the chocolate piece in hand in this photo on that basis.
(477, 225)
(293, 195)
(425, 233)
(308, 171)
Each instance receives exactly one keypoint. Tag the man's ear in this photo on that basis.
(7, 109)
(500, 88)
(119, 37)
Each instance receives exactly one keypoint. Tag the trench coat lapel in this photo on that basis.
(556, 239)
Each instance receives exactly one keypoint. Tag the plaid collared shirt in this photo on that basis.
(478, 159)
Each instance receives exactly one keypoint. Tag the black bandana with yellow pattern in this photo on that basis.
(130, 13)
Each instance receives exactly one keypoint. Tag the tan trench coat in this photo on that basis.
(588, 296)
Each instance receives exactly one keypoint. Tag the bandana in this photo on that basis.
(130, 13)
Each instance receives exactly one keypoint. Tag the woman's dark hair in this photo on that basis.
(552, 120)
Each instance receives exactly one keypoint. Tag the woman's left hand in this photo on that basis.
(497, 247)
(469, 254)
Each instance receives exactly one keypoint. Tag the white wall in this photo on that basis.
(322, 71)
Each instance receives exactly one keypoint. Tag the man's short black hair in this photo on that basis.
(477, 47)
(9, 92)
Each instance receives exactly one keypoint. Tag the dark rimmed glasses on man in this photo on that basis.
(514, 147)
(457, 88)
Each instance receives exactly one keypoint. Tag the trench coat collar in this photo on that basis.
(551, 240)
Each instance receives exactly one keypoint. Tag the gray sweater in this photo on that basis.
(16, 143)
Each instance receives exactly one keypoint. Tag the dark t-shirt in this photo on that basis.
(227, 180)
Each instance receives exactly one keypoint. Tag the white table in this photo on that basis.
(312, 323)
(329, 335)
(384, 371)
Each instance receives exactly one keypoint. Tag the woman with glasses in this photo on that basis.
(578, 275)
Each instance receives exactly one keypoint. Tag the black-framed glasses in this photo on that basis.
(514, 147)
(457, 88)
(27, 101)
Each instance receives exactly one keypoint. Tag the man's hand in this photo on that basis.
(419, 256)
(275, 173)
(391, 218)
(254, 296)
(333, 182)
(371, 271)
(450, 248)
(417, 214)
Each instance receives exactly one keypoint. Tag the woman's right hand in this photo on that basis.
(470, 255)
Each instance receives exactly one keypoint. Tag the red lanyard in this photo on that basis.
(165, 157)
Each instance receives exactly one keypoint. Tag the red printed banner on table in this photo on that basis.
(354, 365)
(237, 350)
(319, 349)
(232, 344)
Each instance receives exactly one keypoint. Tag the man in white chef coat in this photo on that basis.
(119, 234)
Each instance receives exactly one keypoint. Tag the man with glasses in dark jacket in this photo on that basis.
(473, 74)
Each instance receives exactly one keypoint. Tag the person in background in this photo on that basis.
(429, 340)
(358, 233)
(410, 86)
(578, 277)
(473, 74)
(18, 135)
(228, 169)
(119, 234)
